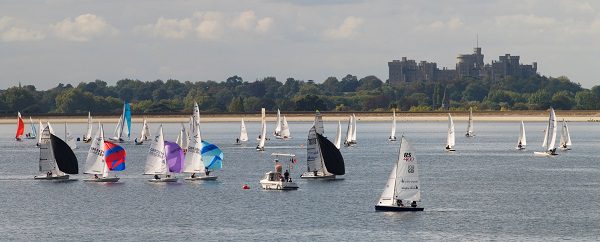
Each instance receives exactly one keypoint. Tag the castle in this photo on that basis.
(467, 65)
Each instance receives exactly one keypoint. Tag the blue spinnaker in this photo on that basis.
(212, 156)
(128, 118)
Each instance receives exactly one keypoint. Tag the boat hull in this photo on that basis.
(450, 150)
(170, 179)
(201, 178)
(392, 139)
(543, 154)
(103, 179)
(278, 185)
(311, 175)
(398, 209)
(63, 177)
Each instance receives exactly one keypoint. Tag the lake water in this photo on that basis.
(486, 190)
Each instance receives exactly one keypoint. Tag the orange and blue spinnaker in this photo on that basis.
(114, 156)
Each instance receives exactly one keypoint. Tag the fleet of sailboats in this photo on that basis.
(522, 142)
(565, 137)
(124, 120)
(450, 139)
(549, 137)
(402, 190)
(470, 131)
(393, 133)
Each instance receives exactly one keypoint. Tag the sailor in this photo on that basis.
(193, 175)
(237, 140)
(95, 176)
(520, 145)
(447, 147)
(413, 204)
(399, 202)
(156, 177)
(286, 175)
(206, 171)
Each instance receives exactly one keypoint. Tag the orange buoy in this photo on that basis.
(245, 187)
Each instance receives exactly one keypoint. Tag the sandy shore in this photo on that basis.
(512, 116)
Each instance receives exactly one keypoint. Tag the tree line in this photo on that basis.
(348, 94)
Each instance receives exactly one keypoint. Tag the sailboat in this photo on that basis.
(349, 132)
(323, 159)
(243, 133)
(393, 134)
(277, 132)
(20, 127)
(39, 137)
(549, 136)
(104, 156)
(33, 133)
(145, 134)
(565, 137)
(156, 161)
(56, 158)
(124, 120)
(470, 132)
(88, 134)
(182, 139)
(263, 132)
(403, 183)
(193, 158)
(338, 136)
(285, 130)
(69, 138)
(318, 123)
(279, 180)
(354, 129)
(522, 142)
(450, 140)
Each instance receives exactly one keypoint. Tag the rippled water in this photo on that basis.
(486, 190)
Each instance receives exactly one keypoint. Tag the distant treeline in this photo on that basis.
(348, 94)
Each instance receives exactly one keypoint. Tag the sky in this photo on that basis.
(46, 42)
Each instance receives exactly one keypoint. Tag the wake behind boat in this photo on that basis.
(403, 183)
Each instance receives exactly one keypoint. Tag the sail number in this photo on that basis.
(408, 157)
(411, 168)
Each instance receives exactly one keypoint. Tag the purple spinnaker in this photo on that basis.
(175, 156)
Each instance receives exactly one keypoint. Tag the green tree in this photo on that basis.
(586, 100)
(236, 105)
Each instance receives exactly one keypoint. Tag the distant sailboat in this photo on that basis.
(323, 159)
(88, 134)
(338, 136)
(192, 163)
(263, 132)
(124, 120)
(549, 136)
(393, 134)
(20, 127)
(69, 139)
(522, 142)
(349, 132)
(277, 132)
(450, 140)
(285, 130)
(156, 162)
(354, 129)
(470, 132)
(182, 138)
(212, 157)
(33, 133)
(145, 134)
(403, 183)
(104, 156)
(56, 158)
(565, 137)
(40, 128)
(243, 133)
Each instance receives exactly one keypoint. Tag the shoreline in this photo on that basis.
(507, 116)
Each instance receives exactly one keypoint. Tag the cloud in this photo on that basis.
(83, 28)
(524, 19)
(248, 21)
(264, 25)
(346, 30)
(453, 23)
(11, 33)
(576, 6)
(168, 28)
(210, 26)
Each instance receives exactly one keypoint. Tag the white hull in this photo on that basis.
(278, 185)
(543, 154)
(201, 178)
(115, 139)
(311, 175)
(103, 179)
(63, 177)
(164, 179)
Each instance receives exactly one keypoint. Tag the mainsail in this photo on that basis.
(155, 161)
(34, 132)
(522, 137)
(332, 158)
(470, 131)
(88, 133)
(95, 162)
(393, 133)
(20, 127)
(550, 137)
(193, 158)
(243, 132)
(338, 136)
(565, 137)
(314, 160)
(450, 140)
(277, 131)
(263, 131)
(318, 123)
(349, 132)
(354, 129)
(285, 129)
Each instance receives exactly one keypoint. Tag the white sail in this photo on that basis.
(450, 141)
(143, 135)
(119, 129)
(195, 117)
(349, 132)
(243, 132)
(88, 133)
(522, 137)
(40, 129)
(182, 139)
(354, 128)
(338, 136)
(95, 162)
(285, 129)
(407, 174)
(314, 158)
(155, 161)
(318, 123)
(47, 162)
(277, 131)
(393, 133)
(193, 157)
(69, 138)
(50, 127)
(565, 137)
(470, 131)
(263, 133)
(550, 138)
(147, 134)
(387, 196)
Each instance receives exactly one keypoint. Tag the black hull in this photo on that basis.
(398, 209)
